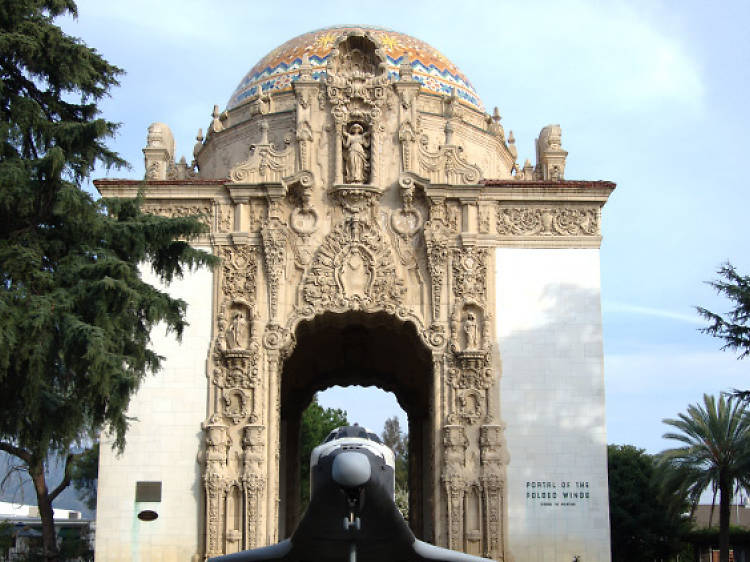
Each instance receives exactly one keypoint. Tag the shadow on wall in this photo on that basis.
(552, 402)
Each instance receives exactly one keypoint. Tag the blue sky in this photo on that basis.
(651, 95)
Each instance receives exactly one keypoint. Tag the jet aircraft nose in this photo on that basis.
(351, 469)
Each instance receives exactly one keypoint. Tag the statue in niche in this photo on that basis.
(356, 153)
(471, 329)
(237, 332)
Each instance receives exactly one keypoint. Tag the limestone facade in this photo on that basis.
(355, 205)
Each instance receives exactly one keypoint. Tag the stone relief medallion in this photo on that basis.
(406, 222)
(303, 221)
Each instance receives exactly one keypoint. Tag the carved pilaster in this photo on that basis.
(454, 460)
(492, 479)
(253, 481)
(214, 481)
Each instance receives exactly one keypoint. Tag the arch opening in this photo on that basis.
(365, 349)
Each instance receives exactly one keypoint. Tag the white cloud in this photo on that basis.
(609, 307)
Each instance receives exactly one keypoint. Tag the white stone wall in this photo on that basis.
(162, 445)
(552, 401)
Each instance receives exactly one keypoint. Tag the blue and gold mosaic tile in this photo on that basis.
(278, 69)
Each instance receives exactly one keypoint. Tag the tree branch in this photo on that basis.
(66, 479)
(22, 454)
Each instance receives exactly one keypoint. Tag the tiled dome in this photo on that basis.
(278, 69)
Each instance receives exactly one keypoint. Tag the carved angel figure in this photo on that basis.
(356, 144)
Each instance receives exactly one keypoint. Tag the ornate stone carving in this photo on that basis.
(215, 460)
(446, 165)
(492, 479)
(454, 460)
(274, 236)
(470, 376)
(470, 273)
(437, 237)
(253, 479)
(548, 221)
(239, 269)
(352, 268)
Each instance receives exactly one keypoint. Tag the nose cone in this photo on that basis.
(351, 469)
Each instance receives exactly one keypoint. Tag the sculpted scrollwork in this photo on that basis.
(548, 221)
(446, 165)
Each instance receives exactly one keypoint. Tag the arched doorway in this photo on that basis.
(368, 349)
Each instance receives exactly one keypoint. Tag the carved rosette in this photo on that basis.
(352, 269)
(548, 221)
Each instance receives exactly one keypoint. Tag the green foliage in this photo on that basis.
(317, 422)
(75, 315)
(644, 526)
(84, 475)
(715, 454)
(398, 441)
(6, 538)
(733, 326)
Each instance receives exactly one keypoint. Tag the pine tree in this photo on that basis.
(734, 326)
(75, 315)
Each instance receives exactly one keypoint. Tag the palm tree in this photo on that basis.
(716, 453)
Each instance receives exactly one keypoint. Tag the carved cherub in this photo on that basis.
(356, 144)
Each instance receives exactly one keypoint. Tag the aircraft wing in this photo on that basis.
(426, 551)
(273, 552)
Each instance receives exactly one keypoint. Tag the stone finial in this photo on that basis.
(496, 115)
(263, 132)
(216, 124)
(305, 68)
(550, 157)
(512, 145)
(158, 154)
(405, 71)
(198, 144)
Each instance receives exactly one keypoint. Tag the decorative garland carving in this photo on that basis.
(178, 209)
(548, 221)
(353, 268)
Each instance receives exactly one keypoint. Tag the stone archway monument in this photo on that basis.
(360, 199)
